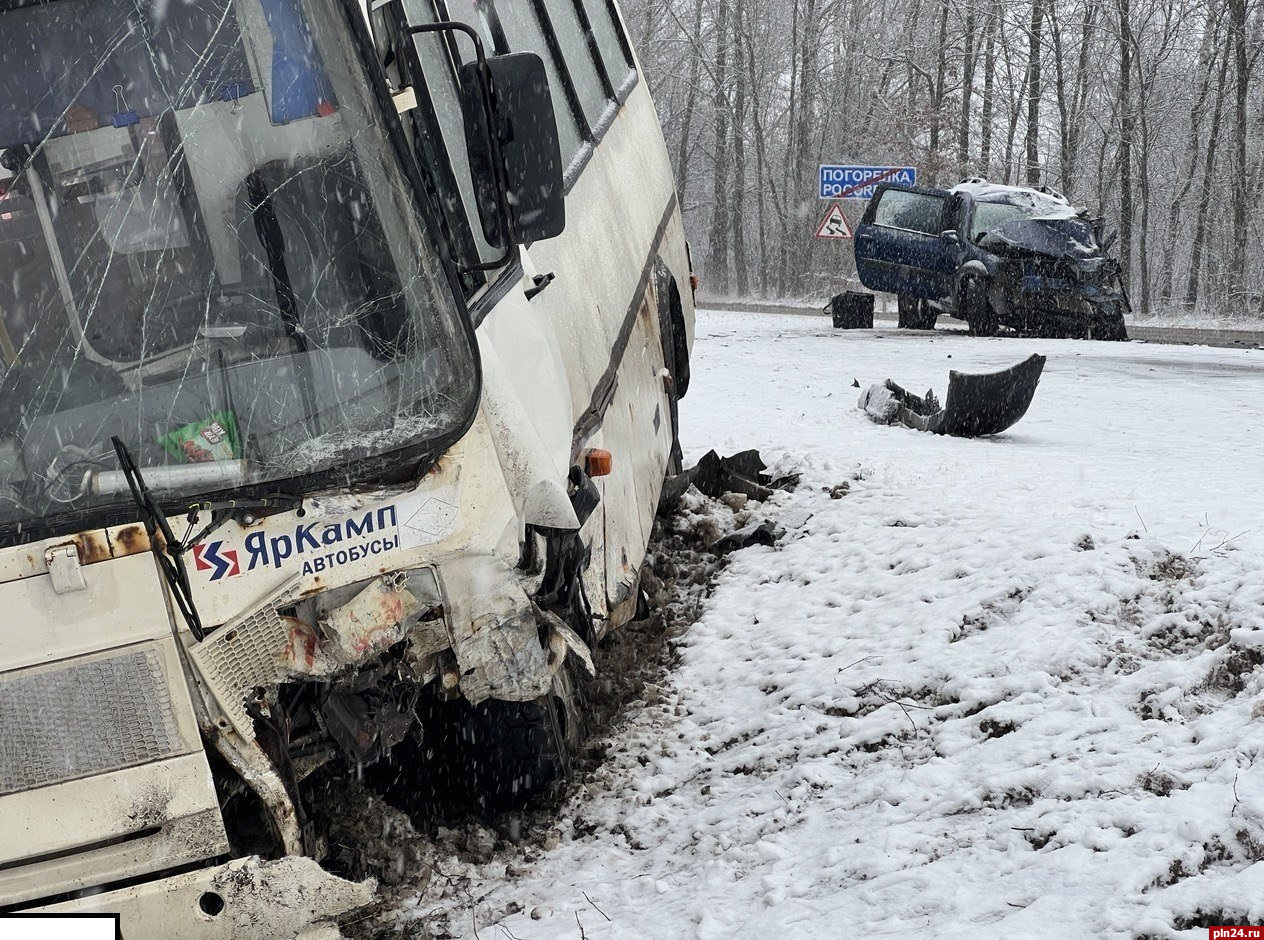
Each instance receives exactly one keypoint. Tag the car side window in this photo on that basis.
(914, 212)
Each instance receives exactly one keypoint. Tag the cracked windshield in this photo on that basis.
(227, 273)
(632, 469)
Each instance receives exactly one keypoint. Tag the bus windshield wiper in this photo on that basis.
(170, 554)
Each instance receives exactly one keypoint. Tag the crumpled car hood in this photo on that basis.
(1055, 238)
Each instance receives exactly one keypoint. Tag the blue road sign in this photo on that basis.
(859, 182)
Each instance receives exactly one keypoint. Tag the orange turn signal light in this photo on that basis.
(599, 463)
(694, 281)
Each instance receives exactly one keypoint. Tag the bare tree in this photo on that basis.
(967, 87)
(691, 100)
(721, 221)
(989, 84)
(1205, 192)
(1126, 122)
(741, 263)
(1237, 263)
(1034, 92)
(1146, 112)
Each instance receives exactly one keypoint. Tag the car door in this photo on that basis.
(901, 245)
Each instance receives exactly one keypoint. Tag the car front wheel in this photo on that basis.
(976, 309)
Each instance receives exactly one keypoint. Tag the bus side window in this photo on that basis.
(525, 34)
(473, 13)
(590, 85)
(433, 55)
(616, 51)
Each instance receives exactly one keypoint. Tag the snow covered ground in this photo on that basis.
(997, 688)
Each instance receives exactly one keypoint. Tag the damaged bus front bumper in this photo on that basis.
(241, 900)
(329, 636)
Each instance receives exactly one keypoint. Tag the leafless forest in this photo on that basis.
(1146, 111)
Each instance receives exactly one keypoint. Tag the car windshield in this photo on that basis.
(209, 251)
(1015, 206)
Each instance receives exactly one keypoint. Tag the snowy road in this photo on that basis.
(1176, 432)
(1000, 688)
(1232, 336)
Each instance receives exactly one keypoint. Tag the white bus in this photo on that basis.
(339, 358)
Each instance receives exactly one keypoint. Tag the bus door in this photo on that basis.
(524, 366)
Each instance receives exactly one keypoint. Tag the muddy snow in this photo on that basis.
(996, 688)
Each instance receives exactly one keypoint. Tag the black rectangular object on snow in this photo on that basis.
(852, 310)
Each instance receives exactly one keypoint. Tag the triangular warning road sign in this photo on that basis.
(834, 225)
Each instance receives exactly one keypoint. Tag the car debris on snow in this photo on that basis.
(718, 477)
(977, 405)
(735, 481)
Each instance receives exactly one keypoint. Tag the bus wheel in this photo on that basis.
(516, 751)
(676, 359)
(571, 708)
(491, 758)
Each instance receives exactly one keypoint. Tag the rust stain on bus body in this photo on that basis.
(98, 545)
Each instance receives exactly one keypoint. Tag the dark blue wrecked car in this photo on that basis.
(993, 256)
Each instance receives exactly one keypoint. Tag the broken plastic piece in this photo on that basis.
(369, 623)
(757, 533)
(563, 640)
(976, 405)
(715, 476)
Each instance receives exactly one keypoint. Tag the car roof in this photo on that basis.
(1048, 204)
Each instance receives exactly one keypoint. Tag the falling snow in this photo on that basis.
(992, 688)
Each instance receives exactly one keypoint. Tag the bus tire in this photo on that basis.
(675, 338)
(517, 751)
(676, 359)
(493, 757)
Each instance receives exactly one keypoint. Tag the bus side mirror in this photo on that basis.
(514, 150)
